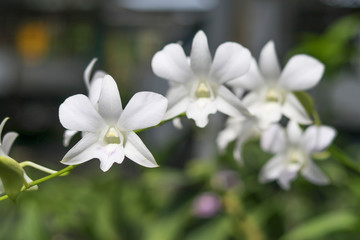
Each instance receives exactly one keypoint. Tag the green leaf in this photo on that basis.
(323, 225)
(307, 101)
(12, 176)
(218, 228)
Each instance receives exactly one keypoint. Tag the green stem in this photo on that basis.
(62, 172)
(37, 166)
(340, 156)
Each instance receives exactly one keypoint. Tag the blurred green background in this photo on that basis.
(197, 193)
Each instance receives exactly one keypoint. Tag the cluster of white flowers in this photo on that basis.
(262, 95)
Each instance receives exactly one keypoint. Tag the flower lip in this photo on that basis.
(113, 136)
(274, 94)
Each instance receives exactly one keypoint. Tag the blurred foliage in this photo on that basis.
(130, 202)
(153, 204)
(336, 47)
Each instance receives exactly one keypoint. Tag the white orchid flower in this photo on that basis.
(240, 130)
(108, 129)
(5, 147)
(271, 88)
(293, 150)
(197, 82)
(93, 86)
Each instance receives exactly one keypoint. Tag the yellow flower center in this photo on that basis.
(274, 95)
(203, 90)
(112, 136)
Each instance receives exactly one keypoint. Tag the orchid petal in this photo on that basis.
(2, 125)
(231, 61)
(77, 113)
(95, 87)
(229, 104)
(8, 141)
(272, 169)
(136, 150)
(252, 80)
(178, 101)
(200, 55)
(83, 151)
(286, 177)
(87, 72)
(110, 154)
(301, 72)
(313, 174)
(229, 134)
(294, 132)
(200, 110)
(110, 106)
(274, 140)
(317, 138)
(171, 64)
(145, 109)
(293, 109)
(268, 62)
(68, 135)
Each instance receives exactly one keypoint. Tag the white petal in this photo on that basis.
(249, 130)
(252, 99)
(171, 64)
(178, 101)
(110, 154)
(268, 62)
(110, 106)
(229, 104)
(267, 114)
(200, 55)
(272, 169)
(294, 132)
(317, 138)
(8, 141)
(286, 177)
(293, 109)
(136, 150)
(231, 61)
(177, 123)
(252, 80)
(274, 140)
(84, 150)
(301, 72)
(68, 134)
(2, 125)
(200, 110)
(227, 135)
(87, 72)
(145, 109)
(95, 87)
(77, 113)
(313, 174)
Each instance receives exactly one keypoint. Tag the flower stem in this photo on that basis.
(62, 172)
(340, 156)
(37, 166)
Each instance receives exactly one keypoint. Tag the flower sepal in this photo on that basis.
(12, 177)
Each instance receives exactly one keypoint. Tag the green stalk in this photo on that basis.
(63, 172)
(341, 157)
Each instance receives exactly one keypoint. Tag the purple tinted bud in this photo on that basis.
(206, 205)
